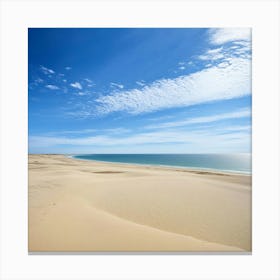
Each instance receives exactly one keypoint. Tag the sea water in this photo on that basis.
(240, 163)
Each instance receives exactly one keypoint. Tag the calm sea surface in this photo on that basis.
(221, 162)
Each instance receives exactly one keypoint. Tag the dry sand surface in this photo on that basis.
(77, 205)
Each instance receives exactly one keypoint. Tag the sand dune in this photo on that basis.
(79, 205)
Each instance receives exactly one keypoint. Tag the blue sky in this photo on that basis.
(139, 90)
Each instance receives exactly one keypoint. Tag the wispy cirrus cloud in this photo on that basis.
(76, 85)
(217, 139)
(117, 85)
(140, 83)
(219, 36)
(242, 113)
(46, 70)
(52, 87)
(188, 133)
(88, 80)
(212, 54)
(225, 55)
(39, 81)
(87, 131)
(82, 93)
(226, 75)
(211, 84)
(71, 132)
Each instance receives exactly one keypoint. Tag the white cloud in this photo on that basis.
(81, 131)
(52, 87)
(211, 84)
(240, 49)
(105, 132)
(219, 36)
(39, 80)
(89, 82)
(215, 51)
(226, 75)
(64, 80)
(117, 130)
(193, 141)
(220, 53)
(68, 68)
(211, 56)
(238, 128)
(76, 85)
(46, 70)
(116, 85)
(223, 64)
(140, 83)
(82, 93)
(245, 112)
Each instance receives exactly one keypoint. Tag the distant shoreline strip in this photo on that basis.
(183, 168)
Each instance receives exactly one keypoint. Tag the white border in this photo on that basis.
(17, 16)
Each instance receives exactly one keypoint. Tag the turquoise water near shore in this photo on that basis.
(240, 163)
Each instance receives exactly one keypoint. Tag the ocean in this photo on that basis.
(237, 163)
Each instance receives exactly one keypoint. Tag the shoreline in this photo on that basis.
(183, 168)
(84, 205)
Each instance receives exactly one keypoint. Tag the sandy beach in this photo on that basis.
(77, 205)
